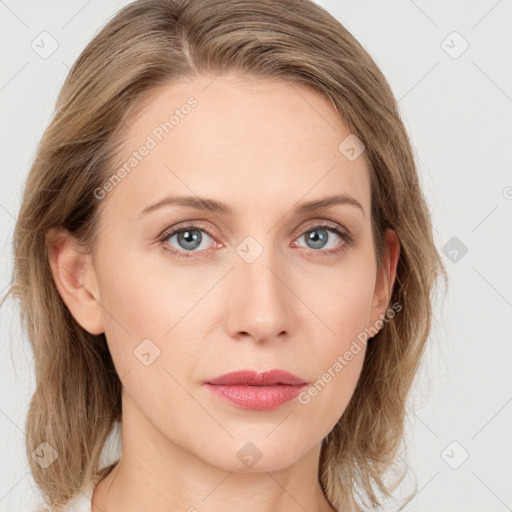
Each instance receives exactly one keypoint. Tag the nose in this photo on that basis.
(260, 302)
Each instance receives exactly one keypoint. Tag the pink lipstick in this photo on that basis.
(262, 391)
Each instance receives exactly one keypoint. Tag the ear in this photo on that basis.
(386, 274)
(75, 278)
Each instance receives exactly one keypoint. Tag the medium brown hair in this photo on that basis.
(151, 43)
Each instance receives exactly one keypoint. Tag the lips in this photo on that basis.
(263, 391)
(253, 378)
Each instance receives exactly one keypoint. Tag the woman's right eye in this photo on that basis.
(189, 237)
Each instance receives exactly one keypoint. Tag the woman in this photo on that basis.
(223, 248)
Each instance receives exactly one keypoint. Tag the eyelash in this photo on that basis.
(345, 236)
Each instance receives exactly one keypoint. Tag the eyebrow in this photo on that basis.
(214, 206)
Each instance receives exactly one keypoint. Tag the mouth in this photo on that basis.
(248, 389)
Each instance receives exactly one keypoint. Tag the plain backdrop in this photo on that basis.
(450, 67)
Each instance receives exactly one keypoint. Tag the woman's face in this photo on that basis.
(254, 284)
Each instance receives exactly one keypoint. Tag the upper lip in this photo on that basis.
(254, 378)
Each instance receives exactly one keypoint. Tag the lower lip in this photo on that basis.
(257, 398)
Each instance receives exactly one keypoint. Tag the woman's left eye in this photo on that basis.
(191, 237)
(319, 236)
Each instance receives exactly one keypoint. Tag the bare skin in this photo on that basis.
(261, 147)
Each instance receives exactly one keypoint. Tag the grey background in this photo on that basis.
(457, 109)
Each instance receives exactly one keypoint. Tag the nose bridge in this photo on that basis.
(260, 300)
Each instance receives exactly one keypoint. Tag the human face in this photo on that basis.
(245, 289)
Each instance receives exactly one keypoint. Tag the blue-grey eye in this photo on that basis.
(189, 239)
(318, 237)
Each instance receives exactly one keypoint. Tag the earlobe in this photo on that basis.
(73, 274)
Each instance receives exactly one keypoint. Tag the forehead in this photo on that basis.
(258, 142)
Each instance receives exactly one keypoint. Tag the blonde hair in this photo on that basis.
(151, 43)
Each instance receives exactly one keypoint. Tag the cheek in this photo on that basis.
(324, 401)
(130, 306)
(339, 353)
(345, 305)
(345, 308)
(142, 294)
(150, 336)
(149, 316)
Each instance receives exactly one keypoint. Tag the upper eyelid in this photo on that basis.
(324, 223)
